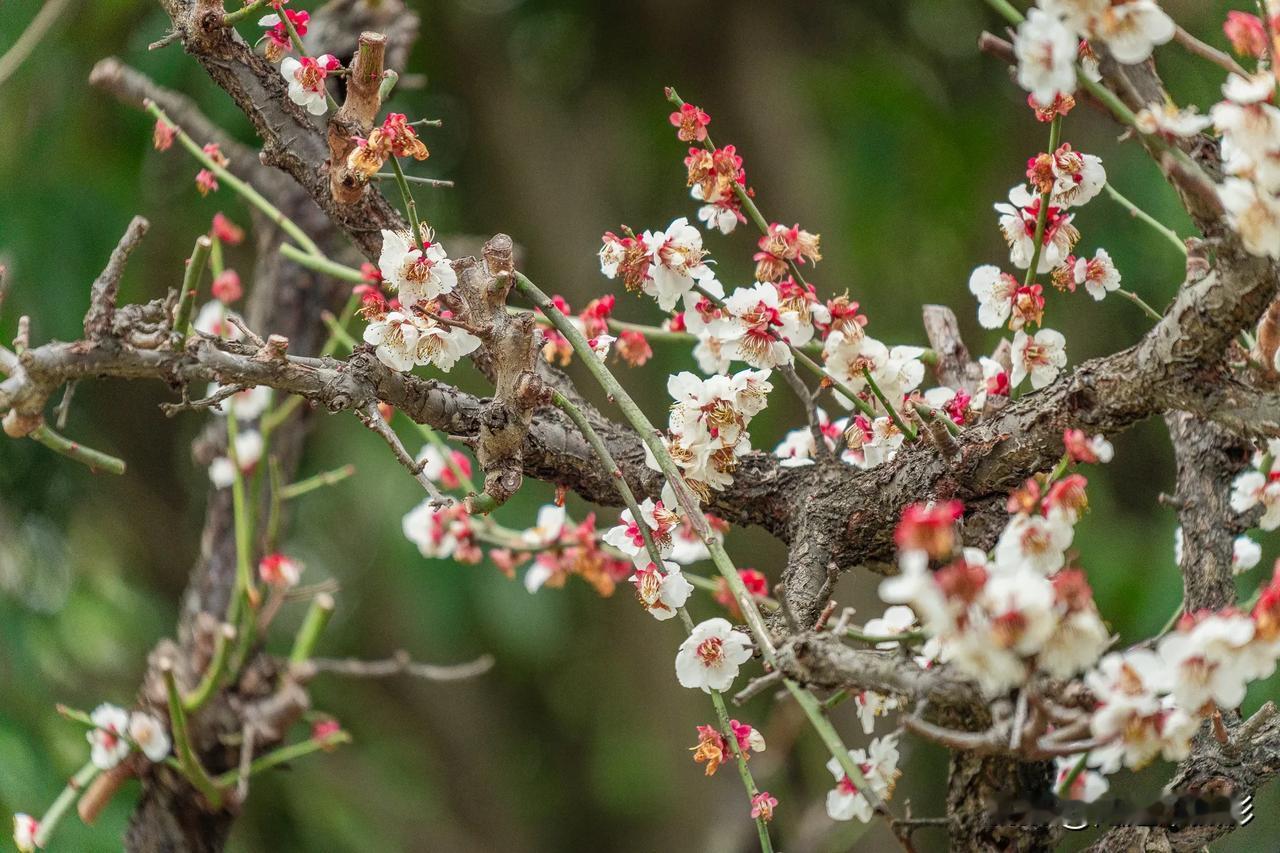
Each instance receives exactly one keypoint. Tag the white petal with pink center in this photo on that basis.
(663, 591)
(1033, 542)
(395, 340)
(150, 735)
(419, 275)
(879, 767)
(1041, 357)
(1046, 52)
(107, 739)
(25, 830)
(709, 659)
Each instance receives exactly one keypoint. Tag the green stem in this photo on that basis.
(318, 481)
(606, 459)
(286, 754)
(907, 431)
(243, 525)
(813, 710)
(744, 772)
(1059, 470)
(744, 197)
(337, 332)
(652, 439)
(272, 419)
(69, 794)
(319, 263)
(275, 484)
(239, 15)
(1070, 778)
(215, 256)
(95, 459)
(241, 188)
(1137, 212)
(1141, 303)
(196, 699)
(312, 627)
(192, 769)
(410, 208)
(904, 637)
(1042, 216)
(302, 51)
(414, 179)
(191, 284)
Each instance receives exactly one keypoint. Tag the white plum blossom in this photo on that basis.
(995, 291)
(1046, 52)
(1034, 542)
(306, 78)
(878, 765)
(876, 442)
(1134, 714)
(1253, 488)
(248, 447)
(1099, 275)
(107, 739)
(246, 405)
(628, 538)
(1167, 119)
(149, 734)
(546, 529)
(211, 319)
(719, 217)
(600, 345)
(1078, 640)
(25, 830)
(395, 340)
(915, 585)
(871, 705)
(761, 326)
(1253, 214)
(1245, 554)
(895, 620)
(1018, 219)
(419, 274)
(709, 658)
(708, 423)
(676, 262)
(1077, 177)
(663, 591)
(440, 345)
(435, 531)
(797, 447)
(1041, 357)
(1130, 29)
(1207, 661)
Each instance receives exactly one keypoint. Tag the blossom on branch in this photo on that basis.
(710, 657)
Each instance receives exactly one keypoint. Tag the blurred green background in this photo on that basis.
(876, 124)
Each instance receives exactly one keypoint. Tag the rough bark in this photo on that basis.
(833, 517)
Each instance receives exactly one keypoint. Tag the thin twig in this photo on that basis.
(1208, 51)
(370, 418)
(30, 37)
(400, 663)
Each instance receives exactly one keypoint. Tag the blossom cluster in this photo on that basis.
(1053, 44)
(999, 618)
(1258, 487)
(116, 733)
(414, 329)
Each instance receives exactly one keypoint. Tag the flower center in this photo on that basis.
(711, 651)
